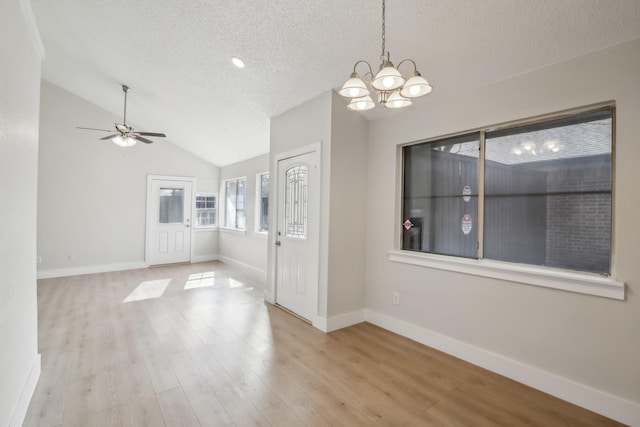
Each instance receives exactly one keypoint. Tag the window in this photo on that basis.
(262, 202)
(435, 177)
(235, 203)
(545, 197)
(171, 209)
(295, 201)
(205, 210)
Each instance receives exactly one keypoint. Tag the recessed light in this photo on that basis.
(237, 62)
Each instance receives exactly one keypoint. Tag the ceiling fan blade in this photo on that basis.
(109, 137)
(139, 138)
(101, 130)
(158, 135)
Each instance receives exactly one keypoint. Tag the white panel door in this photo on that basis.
(170, 221)
(297, 235)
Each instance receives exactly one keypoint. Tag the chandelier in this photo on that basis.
(391, 88)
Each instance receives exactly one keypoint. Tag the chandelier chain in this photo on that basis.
(383, 36)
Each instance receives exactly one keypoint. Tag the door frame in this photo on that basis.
(274, 183)
(148, 213)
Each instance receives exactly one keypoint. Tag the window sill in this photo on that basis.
(205, 229)
(236, 231)
(584, 283)
(261, 234)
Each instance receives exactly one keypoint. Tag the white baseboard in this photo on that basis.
(19, 414)
(204, 258)
(90, 269)
(269, 297)
(340, 321)
(260, 273)
(594, 400)
(320, 323)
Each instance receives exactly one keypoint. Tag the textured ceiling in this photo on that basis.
(175, 54)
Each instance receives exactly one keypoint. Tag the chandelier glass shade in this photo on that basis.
(391, 88)
(361, 104)
(354, 87)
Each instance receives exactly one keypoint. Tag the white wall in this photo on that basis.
(20, 59)
(590, 340)
(347, 234)
(249, 247)
(92, 194)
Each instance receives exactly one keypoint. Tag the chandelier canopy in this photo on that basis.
(392, 90)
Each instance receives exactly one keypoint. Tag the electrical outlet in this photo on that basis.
(39, 259)
(396, 298)
(72, 257)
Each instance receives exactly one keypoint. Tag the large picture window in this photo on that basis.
(435, 177)
(235, 203)
(545, 196)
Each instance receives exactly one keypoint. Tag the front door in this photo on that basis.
(297, 235)
(169, 221)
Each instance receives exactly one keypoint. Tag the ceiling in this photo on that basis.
(176, 54)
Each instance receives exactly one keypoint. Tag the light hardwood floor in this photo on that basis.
(208, 351)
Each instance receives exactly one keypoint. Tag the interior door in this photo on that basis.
(170, 219)
(297, 235)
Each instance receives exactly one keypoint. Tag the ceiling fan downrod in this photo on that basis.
(125, 89)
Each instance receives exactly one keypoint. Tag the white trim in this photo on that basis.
(32, 26)
(269, 296)
(579, 394)
(264, 235)
(273, 200)
(258, 206)
(91, 269)
(316, 150)
(261, 273)
(171, 178)
(222, 203)
(236, 231)
(204, 258)
(295, 152)
(340, 321)
(206, 229)
(584, 283)
(194, 211)
(321, 323)
(20, 411)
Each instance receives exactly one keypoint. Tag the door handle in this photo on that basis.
(278, 243)
(187, 225)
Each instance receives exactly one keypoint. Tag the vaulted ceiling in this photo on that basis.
(176, 54)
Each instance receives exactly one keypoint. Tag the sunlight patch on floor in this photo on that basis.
(235, 284)
(147, 290)
(200, 280)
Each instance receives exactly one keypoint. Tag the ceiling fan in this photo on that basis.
(125, 136)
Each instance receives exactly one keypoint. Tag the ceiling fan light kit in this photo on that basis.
(390, 86)
(125, 136)
(123, 142)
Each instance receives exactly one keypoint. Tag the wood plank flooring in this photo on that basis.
(195, 345)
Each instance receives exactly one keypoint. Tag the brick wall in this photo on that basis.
(579, 214)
